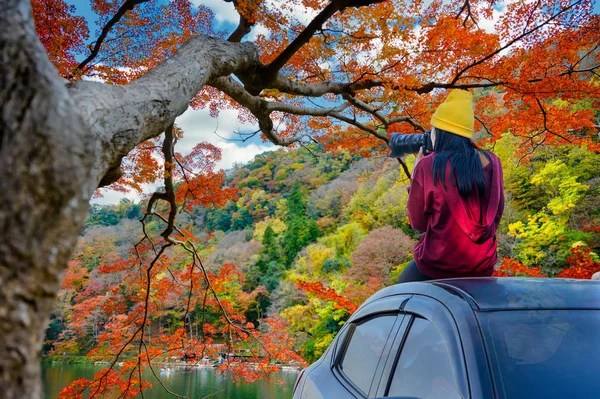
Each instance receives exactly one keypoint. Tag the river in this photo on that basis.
(194, 384)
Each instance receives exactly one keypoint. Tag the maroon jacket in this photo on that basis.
(456, 242)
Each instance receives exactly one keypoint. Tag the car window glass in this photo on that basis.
(364, 350)
(423, 369)
(543, 353)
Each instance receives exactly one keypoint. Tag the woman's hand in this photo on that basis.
(418, 158)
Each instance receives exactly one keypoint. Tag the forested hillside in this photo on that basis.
(305, 240)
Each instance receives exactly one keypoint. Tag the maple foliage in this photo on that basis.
(329, 294)
(62, 33)
(582, 264)
(592, 227)
(514, 268)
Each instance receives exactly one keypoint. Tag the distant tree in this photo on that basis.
(241, 219)
(269, 267)
(300, 229)
(336, 264)
(271, 248)
(102, 215)
(376, 255)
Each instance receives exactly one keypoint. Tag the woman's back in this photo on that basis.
(460, 232)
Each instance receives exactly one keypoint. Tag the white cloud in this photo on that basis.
(294, 10)
(236, 154)
(224, 11)
(489, 25)
(258, 30)
(111, 197)
(199, 126)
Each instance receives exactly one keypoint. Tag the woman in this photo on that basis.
(456, 198)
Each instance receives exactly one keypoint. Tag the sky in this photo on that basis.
(198, 125)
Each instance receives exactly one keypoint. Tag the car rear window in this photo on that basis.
(543, 353)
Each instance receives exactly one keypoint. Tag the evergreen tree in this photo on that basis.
(300, 230)
(271, 250)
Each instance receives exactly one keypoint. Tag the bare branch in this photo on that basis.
(360, 125)
(408, 120)
(535, 7)
(487, 130)
(545, 115)
(513, 41)
(128, 5)
(167, 150)
(467, 7)
(428, 87)
(315, 25)
(262, 109)
(384, 119)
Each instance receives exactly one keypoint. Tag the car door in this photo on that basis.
(358, 354)
(428, 362)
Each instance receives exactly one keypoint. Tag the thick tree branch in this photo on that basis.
(128, 5)
(243, 28)
(289, 86)
(121, 117)
(384, 119)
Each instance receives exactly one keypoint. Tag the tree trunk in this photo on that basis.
(44, 192)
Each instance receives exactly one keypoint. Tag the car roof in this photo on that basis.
(510, 293)
(527, 293)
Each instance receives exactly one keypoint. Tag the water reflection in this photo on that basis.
(194, 384)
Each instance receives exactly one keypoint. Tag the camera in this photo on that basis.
(402, 144)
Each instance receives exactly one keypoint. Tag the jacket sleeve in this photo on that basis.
(417, 201)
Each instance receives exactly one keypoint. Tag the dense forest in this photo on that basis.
(306, 239)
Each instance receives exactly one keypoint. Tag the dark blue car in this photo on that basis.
(466, 338)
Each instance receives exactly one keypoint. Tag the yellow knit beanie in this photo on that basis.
(455, 115)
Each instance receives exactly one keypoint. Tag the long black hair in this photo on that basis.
(467, 171)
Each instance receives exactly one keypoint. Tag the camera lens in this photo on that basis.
(402, 144)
